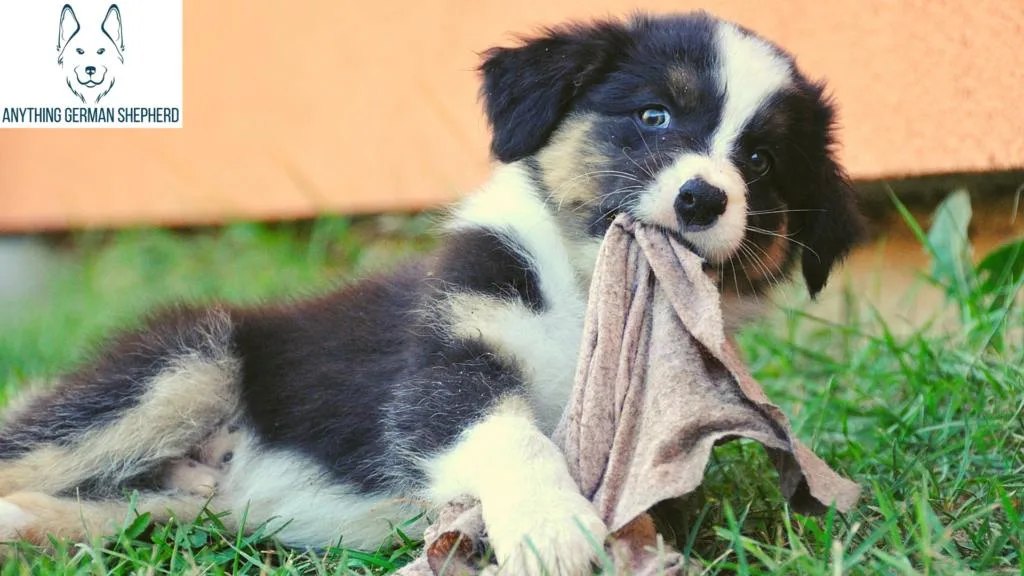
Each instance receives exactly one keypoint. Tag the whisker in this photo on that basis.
(773, 282)
(591, 202)
(649, 153)
(744, 251)
(785, 237)
(735, 277)
(769, 232)
(637, 164)
(658, 163)
(783, 211)
(591, 174)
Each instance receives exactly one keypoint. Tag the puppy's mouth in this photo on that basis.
(700, 200)
(715, 242)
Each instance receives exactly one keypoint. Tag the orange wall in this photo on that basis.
(350, 106)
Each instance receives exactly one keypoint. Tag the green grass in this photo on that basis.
(931, 424)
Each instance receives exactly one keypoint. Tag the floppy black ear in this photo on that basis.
(528, 89)
(834, 224)
(834, 227)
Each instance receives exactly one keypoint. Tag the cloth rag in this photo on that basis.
(658, 385)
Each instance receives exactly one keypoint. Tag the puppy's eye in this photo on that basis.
(101, 50)
(655, 117)
(760, 161)
(80, 51)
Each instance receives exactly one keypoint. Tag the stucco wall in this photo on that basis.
(293, 109)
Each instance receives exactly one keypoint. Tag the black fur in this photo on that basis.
(344, 378)
(527, 90)
(610, 71)
(491, 263)
(835, 226)
(317, 376)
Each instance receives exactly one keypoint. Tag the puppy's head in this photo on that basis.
(689, 123)
(91, 54)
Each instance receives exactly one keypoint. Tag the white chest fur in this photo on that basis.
(544, 345)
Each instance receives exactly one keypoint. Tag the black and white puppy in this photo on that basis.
(349, 411)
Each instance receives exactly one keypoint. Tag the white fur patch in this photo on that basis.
(749, 74)
(527, 494)
(544, 345)
(304, 506)
(509, 203)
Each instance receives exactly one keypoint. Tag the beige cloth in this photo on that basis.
(657, 386)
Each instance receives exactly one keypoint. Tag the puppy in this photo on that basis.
(91, 56)
(446, 376)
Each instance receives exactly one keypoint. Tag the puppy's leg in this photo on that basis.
(32, 516)
(202, 471)
(192, 476)
(153, 396)
(537, 520)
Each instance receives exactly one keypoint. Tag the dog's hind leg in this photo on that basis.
(33, 516)
(153, 396)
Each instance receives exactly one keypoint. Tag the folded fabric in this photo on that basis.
(657, 386)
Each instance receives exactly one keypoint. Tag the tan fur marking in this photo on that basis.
(566, 160)
(775, 255)
(32, 471)
(739, 308)
(31, 516)
(182, 406)
(769, 259)
(681, 85)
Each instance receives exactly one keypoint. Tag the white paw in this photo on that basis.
(12, 520)
(557, 533)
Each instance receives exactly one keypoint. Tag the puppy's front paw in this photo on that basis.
(557, 533)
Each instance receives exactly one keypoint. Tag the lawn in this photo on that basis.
(931, 424)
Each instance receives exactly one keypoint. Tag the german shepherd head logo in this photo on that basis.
(90, 55)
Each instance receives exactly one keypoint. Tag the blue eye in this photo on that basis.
(655, 117)
(101, 50)
(80, 51)
(760, 161)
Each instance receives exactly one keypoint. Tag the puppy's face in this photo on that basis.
(90, 55)
(688, 123)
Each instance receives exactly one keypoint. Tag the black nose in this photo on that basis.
(90, 70)
(699, 203)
